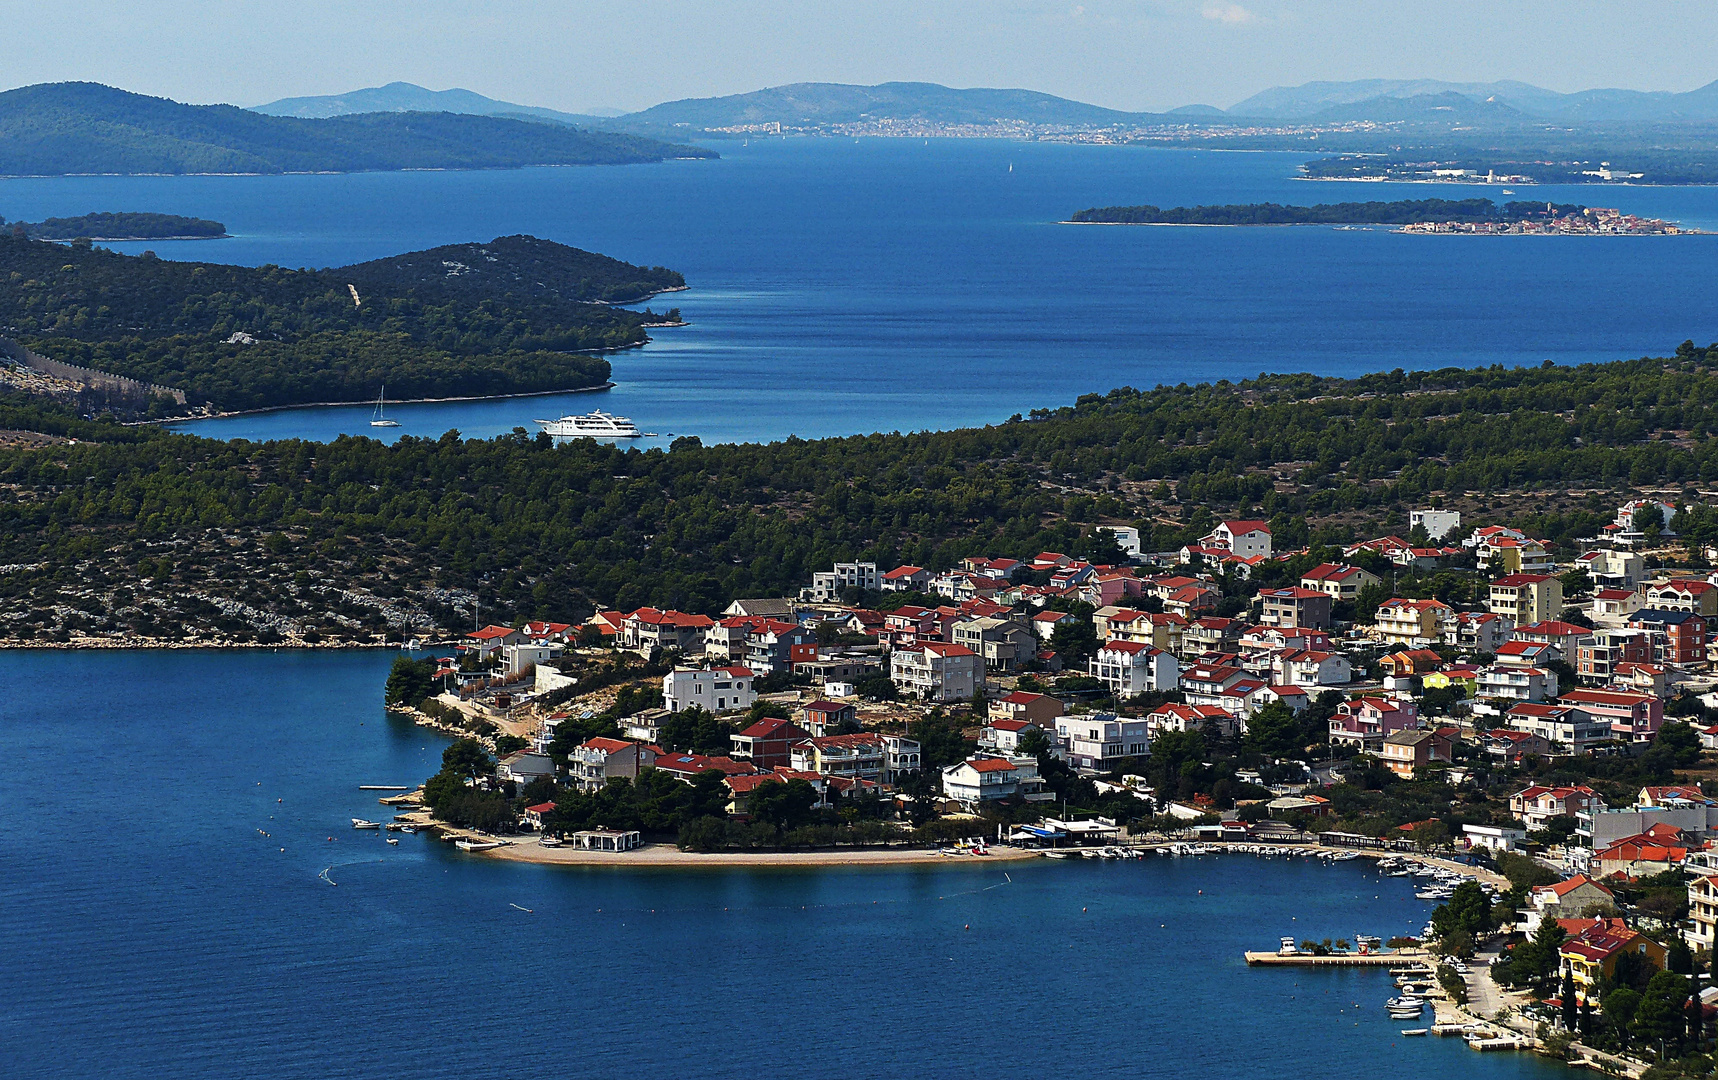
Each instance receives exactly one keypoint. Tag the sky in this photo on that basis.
(1126, 54)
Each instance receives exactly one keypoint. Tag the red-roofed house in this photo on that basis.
(1512, 746)
(982, 778)
(594, 761)
(1365, 723)
(1240, 537)
(767, 743)
(1176, 717)
(1005, 735)
(937, 671)
(1045, 622)
(826, 717)
(1563, 726)
(1129, 667)
(491, 640)
(1552, 632)
(1041, 709)
(687, 767)
(906, 579)
(1206, 684)
(1591, 956)
(1311, 667)
(1684, 594)
(1339, 581)
(1660, 848)
(1538, 804)
(649, 628)
(534, 814)
(1414, 623)
(1634, 717)
(851, 757)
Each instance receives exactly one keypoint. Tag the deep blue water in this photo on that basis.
(151, 930)
(887, 284)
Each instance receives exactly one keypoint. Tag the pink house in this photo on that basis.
(1366, 722)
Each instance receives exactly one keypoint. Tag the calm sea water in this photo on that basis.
(151, 929)
(886, 284)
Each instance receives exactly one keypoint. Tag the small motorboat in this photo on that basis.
(360, 823)
(1057, 854)
(394, 840)
(1413, 1031)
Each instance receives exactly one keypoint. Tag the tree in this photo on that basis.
(878, 687)
(1680, 741)
(1274, 731)
(784, 805)
(1075, 641)
(1431, 834)
(467, 759)
(1618, 1006)
(1468, 909)
(1570, 1013)
(409, 681)
(1658, 1020)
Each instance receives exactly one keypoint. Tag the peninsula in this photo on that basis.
(58, 129)
(516, 315)
(1415, 215)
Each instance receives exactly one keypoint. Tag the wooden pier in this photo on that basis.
(1389, 959)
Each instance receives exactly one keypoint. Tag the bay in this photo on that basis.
(153, 929)
(842, 287)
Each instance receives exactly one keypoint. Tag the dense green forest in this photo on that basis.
(119, 226)
(543, 530)
(61, 128)
(1403, 212)
(253, 337)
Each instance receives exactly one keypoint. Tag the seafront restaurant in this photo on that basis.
(605, 840)
(1352, 840)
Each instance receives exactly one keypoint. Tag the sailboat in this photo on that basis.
(379, 420)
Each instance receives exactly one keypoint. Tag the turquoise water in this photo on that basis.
(889, 284)
(151, 930)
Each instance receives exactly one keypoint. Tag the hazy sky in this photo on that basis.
(1129, 54)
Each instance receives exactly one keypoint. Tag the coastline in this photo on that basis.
(610, 385)
(667, 856)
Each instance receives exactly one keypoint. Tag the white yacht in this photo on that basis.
(378, 419)
(595, 425)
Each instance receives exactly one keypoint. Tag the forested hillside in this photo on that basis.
(59, 128)
(120, 226)
(546, 530)
(252, 337)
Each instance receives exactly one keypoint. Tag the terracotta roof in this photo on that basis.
(607, 745)
(990, 764)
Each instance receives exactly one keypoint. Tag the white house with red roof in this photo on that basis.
(1527, 653)
(715, 690)
(491, 640)
(1206, 684)
(1312, 667)
(1517, 682)
(1552, 632)
(987, 778)
(1241, 537)
(774, 645)
(937, 671)
(594, 761)
(1684, 594)
(851, 757)
(1366, 722)
(1044, 623)
(1127, 668)
(905, 579)
(1478, 631)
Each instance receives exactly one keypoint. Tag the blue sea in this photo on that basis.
(844, 286)
(171, 823)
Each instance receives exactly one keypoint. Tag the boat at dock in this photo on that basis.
(360, 823)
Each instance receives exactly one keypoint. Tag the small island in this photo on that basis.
(1472, 216)
(109, 227)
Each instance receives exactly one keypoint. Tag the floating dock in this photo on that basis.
(1389, 959)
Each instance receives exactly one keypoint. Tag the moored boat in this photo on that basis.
(360, 823)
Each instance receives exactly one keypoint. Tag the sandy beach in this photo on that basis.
(670, 857)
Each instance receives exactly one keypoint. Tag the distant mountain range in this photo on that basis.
(61, 128)
(1367, 96)
(841, 103)
(408, 97)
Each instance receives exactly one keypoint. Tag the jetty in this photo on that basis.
(1387, 959)
(384, 787)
